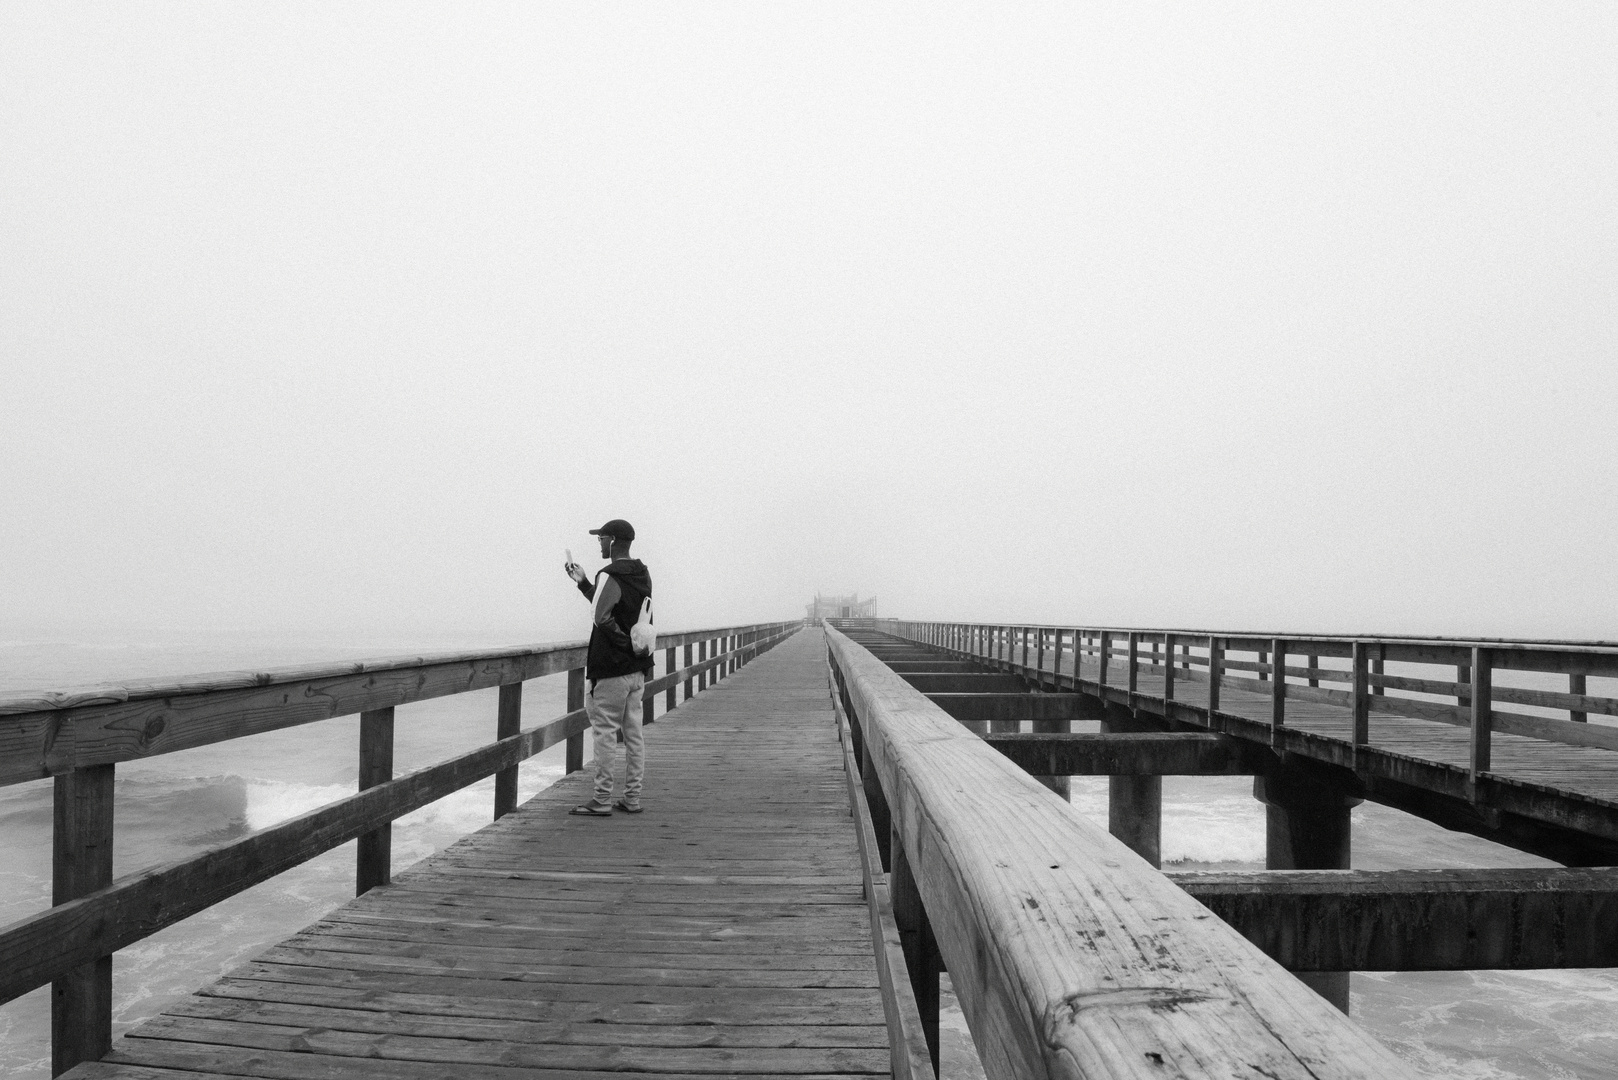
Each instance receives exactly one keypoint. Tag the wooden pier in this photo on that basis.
(835, 817)
(723, 931)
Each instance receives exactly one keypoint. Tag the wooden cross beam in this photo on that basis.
(1420, 920)
(1132, 754)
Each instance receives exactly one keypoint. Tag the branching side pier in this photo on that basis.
(1474, 735)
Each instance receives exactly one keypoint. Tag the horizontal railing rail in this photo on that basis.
(78, 737)
(1457, 681)
(1071, 956)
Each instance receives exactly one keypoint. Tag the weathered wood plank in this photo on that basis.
(518, 1003)
(441, 1023)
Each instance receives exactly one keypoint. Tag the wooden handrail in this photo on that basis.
(48, 734)
(78, 736)
(1071, 956)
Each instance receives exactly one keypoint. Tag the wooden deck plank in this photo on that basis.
(723, 932)
(515, 1029)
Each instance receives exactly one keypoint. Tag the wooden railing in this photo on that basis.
(1071, 956)
(78, 737)
(1448, 680)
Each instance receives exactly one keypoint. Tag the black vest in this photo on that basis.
(607, 657)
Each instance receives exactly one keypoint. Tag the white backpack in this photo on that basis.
(643, 635)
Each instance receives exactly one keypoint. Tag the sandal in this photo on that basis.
(591, 809)
(628, 809)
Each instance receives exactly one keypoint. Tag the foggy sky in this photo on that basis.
(347, 320)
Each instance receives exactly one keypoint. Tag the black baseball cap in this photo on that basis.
(617, 528)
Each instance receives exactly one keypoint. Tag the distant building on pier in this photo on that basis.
(841, 607)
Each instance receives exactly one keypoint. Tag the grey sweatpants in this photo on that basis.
(613, 704)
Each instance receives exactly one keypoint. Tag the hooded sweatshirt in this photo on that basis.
(618, 592)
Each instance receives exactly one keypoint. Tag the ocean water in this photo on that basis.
(1539, 1025)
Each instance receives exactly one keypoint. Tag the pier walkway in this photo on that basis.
(723, 931)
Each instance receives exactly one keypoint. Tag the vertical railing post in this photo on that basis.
(81, 862)
(507, 722)
(1023, 631)
(1361, 695)
(1314, 665)
(1039, 654)
(1378, 690)
(922, 958)
(372, 864)
(1575, 685)
(687, 680)
(1168, 668)
(706, 678)
(1278, 690)
(1215, 663)
(1133, 677)
(1056, 662)
(574, 760)
(1103, 654)
(668, 669)
(1482, 713)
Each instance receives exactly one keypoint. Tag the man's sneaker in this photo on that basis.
(628, 807)
(591, 809)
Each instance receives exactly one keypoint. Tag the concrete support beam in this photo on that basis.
(1420, 920)
(1306, 827)
(1133, 754)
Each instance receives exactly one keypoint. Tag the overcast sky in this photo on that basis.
(347, 319)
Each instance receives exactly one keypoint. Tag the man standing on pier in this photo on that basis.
(616, 674)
